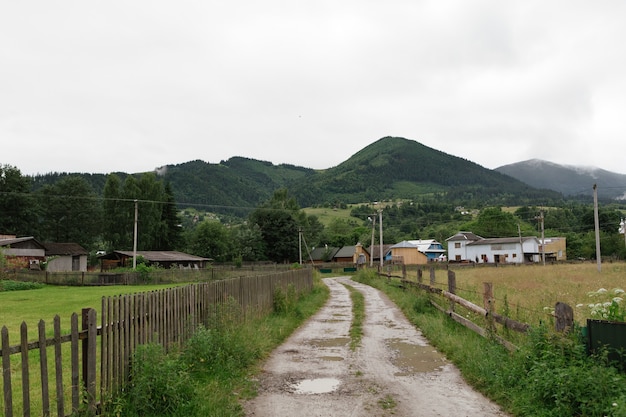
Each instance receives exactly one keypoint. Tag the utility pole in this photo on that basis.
(622, 229)
(300, 243)
(135, 236)
(543, 240)
(596, 219)
(380, 225)
(373, 220)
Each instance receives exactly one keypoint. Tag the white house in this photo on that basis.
(469, 247)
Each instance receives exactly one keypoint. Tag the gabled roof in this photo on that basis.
(18, 240)
(375, 250)
(64, 249)
(423, 246)
(404, 244)
(464, 236)
(157, 256)
(317, 254)
(345, 252)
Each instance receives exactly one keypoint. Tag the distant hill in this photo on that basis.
(566, 179)
(389, 169)
(393, 168)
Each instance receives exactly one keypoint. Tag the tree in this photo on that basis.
(493, 222)
(280, 221)
(211, 239)
(248, 242)
(170, 238)
(118, 217)
(17, 207)
(71, 212)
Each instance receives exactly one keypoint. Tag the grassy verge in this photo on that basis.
(549, 375)
(215, 371)
(358, 315)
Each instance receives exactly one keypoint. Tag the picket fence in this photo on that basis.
(92, 362)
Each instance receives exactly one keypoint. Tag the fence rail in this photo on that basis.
(162, 276)
(563, 313)
(99, 353)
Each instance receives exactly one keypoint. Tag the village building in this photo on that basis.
(469, 247)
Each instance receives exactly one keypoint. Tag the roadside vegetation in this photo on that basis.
(358, 315)
(214, 372)
(549, 375)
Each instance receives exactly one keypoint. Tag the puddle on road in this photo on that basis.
(332, 358)
(332, 342)
(415, 359)
(317, 386)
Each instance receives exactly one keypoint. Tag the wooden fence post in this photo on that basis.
(6, 373)
(488, 302)
(432, 276)
(564, 317)
(89, 325)
(420, 277)
(403, 271)
(451, 287)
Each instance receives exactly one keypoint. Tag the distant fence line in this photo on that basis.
(99, 352)
(159, 276)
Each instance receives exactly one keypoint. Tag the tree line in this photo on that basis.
(69, 210)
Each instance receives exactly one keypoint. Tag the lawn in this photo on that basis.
(30, 306)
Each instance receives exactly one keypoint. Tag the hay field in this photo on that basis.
(531, 291)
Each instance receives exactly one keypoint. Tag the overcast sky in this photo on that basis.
(103, 86)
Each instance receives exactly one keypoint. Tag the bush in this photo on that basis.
(159, 385)
(285, 302)
(7, 285)
(219, 351)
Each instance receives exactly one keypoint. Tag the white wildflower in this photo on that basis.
(602, 291)
(618, 299)
(618, 291)
(579, 305)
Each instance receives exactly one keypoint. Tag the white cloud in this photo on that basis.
(119, 86)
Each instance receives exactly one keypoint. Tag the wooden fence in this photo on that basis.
(160, 276)
(563, 313)
(92, 362)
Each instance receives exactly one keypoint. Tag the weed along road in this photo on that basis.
(394, 371)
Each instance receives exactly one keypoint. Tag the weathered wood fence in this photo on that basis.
(563, 312)
(92, 362)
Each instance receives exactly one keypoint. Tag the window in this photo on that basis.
(457, 245)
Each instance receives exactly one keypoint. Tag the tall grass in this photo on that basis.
(214, 371)
(550, 375)
(530, 292)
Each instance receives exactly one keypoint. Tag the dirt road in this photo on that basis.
(393, 373)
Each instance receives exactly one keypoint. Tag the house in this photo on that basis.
(322, 254)
(23, 252)
(62, 257)
(417, 252)
(356, 255)
(164, 259)
(469, 247)
(375, 252)
(555, 248)
(433, 250)
(407, 253)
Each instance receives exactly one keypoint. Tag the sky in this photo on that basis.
(106, 86)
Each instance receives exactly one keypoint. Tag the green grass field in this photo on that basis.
(30, 306)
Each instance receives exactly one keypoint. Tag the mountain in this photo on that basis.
(394, 167)
(389, 169)
(566, 179)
